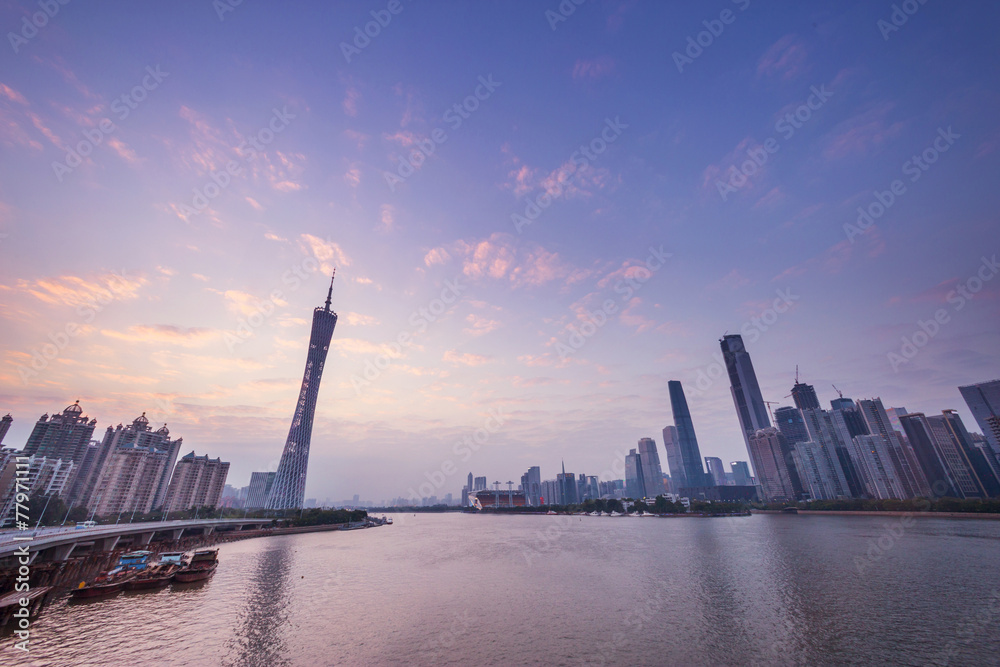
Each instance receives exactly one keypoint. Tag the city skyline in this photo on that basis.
(171, 269)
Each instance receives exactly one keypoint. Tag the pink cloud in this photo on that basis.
(350, 103)
(501, 257)
(786, 57)
(730, 282)
(593, 69)
(465, 358)
(862, 132)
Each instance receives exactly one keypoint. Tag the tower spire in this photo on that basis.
(329, 294)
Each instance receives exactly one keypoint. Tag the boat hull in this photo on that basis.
(200, 574)
(100, 590)
(148, 584)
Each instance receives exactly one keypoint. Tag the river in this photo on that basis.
(460, 589)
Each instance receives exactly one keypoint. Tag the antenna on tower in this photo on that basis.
(329, 294)
(796, 373)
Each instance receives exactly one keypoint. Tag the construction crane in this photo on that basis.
(839, 393)
(771, 412)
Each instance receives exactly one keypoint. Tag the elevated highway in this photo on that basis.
(58, 544)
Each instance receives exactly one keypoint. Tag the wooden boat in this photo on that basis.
(202, 566)
(159, 574)
(106, 584)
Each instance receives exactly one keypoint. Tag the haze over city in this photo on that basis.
(188, 248)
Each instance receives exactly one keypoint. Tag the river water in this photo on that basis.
(460, 589)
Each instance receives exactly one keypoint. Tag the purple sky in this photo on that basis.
(234, 158)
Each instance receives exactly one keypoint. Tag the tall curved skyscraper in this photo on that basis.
(289, 488)
(692, 474)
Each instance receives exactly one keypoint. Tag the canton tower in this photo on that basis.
(289, 488)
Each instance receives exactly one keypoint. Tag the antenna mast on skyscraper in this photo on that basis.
(329, 294)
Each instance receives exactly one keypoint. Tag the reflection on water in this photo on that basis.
(463, 589)
(258, 639)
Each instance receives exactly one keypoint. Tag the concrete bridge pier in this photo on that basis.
(62, 552)
(107, 543)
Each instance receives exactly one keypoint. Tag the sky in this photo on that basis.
(556, 207)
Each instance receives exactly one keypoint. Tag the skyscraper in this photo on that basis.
(652, 474)
(197, 481)
(531, 483)
(140, 451)
(984, 461)
(675, 463)
(983, 400)
(804, 395)
(822, 432)
(750, 407)
(741, 473)
(716, 470)
(930, 456)
(634, 486)
(691, 467)
(289, 489)
(567, 487)
(789, 422)
(259, 489)
(63, 436)
(5, 426)
(773, 463)
(910, 475)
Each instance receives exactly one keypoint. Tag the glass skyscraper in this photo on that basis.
(289, 488)
(789, 422)
(652, 474)
(983, 400)
(687, 441)
(804, 395)
(750, 407)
